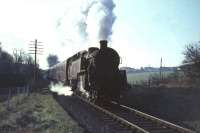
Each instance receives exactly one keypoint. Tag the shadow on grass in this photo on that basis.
(173, 104)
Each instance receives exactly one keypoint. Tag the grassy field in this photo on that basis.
(36, 113)
(143, 76)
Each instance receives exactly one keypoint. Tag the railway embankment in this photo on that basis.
(178, 105)
(36, 113)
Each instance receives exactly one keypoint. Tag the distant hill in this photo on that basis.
(143, 74)
(129, 69)
(147, 69)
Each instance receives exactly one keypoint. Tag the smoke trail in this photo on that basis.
(60, 89)
(89, 20)
(99, 19)
(107, 19)
(82, 24)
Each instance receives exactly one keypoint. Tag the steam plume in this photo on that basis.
(107, 20)
(60, 89)
(92, 20)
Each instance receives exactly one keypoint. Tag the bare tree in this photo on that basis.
(6, 61)
(29, 60)
(16, 69)
(192, 53)
(5, 57)
(191, 62)
(19, 56)
(52, 60)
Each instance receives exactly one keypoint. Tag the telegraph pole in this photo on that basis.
(161, 69)
(35, 49)
(0, 46)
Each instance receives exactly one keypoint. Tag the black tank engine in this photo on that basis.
(93, 73)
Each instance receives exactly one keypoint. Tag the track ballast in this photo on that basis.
(135, 121)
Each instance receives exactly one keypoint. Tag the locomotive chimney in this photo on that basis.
(103, 44)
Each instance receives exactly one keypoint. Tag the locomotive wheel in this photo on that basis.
(93, 96)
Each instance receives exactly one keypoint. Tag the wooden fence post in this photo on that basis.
(8, 101)
(18, 95)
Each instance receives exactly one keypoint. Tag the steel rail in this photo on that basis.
(122, 121)
(158, 121)
(132, 126)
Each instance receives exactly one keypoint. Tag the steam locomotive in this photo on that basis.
(93, 74)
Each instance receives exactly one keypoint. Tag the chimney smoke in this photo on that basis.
(88, 21)
(97, 20)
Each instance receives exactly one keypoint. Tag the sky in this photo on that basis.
(143, 31)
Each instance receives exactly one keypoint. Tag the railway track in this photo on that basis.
(89, 117)
(135, 121)
(147, 122)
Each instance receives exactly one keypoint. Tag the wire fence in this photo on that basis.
(20, 92)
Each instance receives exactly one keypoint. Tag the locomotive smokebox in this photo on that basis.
(103, 44)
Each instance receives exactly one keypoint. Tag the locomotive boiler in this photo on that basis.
(93, 74)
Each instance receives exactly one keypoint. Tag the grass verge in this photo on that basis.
(36, 113)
